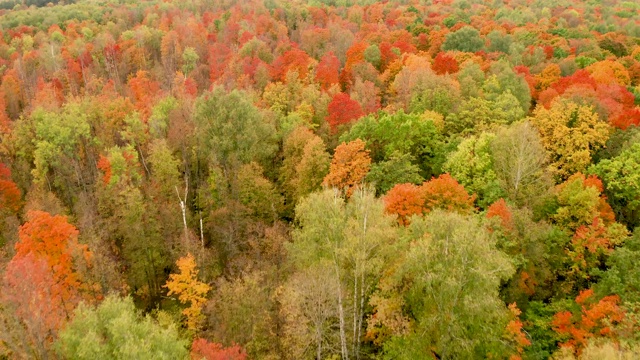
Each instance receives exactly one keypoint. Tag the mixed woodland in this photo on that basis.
(320, 179)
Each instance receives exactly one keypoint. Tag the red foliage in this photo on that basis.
(54, 240)
(445, 64)
(292, 60)
(10, 195)
(328, 71)
(219, 57)
(628, 118)
(202, 349)
(405, 200)
(343, 110)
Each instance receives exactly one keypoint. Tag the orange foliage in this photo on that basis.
(594, 320)
(514, 331)
(349, 166)
(444, 192)
(292, 60)
(501, 210)
(143, 91)
(52, 238)
(202, 349)
(405, 200)
(10, 195)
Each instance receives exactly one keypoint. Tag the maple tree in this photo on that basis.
(343, 110)
(405, 200)
(444, 192)
(201, 349)
(189, 290)
(595, 319)
(349, 166)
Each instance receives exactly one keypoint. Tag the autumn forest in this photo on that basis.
(320, 179)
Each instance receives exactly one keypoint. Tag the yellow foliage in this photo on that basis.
(608, 72)
(189, 289)
(570, 133)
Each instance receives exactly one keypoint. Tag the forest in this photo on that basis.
(320, 179)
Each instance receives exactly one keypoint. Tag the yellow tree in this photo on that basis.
(570, 133)
(189, 289)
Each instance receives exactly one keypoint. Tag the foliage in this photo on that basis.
(115, 330)
(189, 289)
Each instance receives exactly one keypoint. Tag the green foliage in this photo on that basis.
(472, 165)
(398, 169)
(232, 129)
(448, 278)
(621, 177)
(114, 330)
(623, 274)
(465, 39)
(409, 134)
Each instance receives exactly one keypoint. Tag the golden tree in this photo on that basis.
(189, 289)
(570, 133)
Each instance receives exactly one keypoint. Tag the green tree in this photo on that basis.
(399, 168)
(621, 177)
(353, 238)
(465, 39)
(114, 330)
(472, 165)
(447, 284)
(232, 129)
(409, 134)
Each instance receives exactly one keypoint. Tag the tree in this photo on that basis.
(353, 240)
(327, 71)
(444, 192)
(189, 289)
(305, 163)
(343, 110)
(405, 200)
(54, 240)
(32, 311)
(620, 176)
(595, 318)
(201, 349)
(465, 39)
(571, 134)
(232, 129)
(519, 162)
(349, 166)
(445, 64)
(257, 193)
(309, 311)
(388, 135)
(10, 195)
(114, 330)
(448, 263)
(472, 165)
(399, 168)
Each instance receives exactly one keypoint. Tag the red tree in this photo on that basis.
(328, 71)
(343, 110)
(445, 64)
(202, 349)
